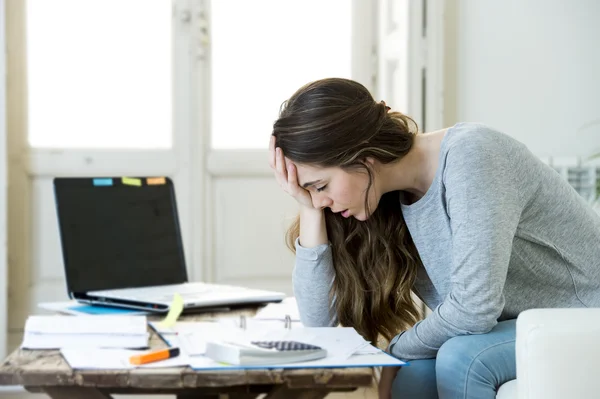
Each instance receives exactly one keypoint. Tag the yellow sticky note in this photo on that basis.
(174, 312)
(130, 181)
(155, 181)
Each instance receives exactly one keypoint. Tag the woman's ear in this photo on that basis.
(371, 163)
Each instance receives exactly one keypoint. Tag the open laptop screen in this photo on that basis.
(118, 234)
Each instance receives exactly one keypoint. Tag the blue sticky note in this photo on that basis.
(103, 182)
(102, 310)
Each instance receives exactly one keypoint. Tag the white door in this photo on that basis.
(96, 88)
(410, 59)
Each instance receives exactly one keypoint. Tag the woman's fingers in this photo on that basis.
(292, 178)
(272, 152)
(280, 170)
(286, 175)
(281, 164)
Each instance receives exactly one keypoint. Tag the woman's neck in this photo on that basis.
(415, 172)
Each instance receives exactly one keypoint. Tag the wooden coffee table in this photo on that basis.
(46, 371)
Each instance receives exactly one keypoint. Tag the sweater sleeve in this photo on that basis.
(484, 208)
(312, 279)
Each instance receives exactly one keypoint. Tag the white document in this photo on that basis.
(194, 342)
(57, 341)
(192, 337)
(372, 360)
(345, 347)
(278, 311)
(256, 329)
(369, 350)
(114, 359)
(54, 332)
(86, 324)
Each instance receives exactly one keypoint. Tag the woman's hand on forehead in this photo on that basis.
(286, 175)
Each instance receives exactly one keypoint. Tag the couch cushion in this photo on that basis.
(508, 390)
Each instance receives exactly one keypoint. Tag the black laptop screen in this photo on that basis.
(119, 233)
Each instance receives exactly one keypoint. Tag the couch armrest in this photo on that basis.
(558, 353)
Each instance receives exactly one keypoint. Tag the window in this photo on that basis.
(99, 73)
(263, 51)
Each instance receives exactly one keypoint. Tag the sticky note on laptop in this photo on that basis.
(154, 181)
(131, 181)
(103, 182)
(174, 312)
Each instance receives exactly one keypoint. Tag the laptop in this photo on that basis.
(122, 246)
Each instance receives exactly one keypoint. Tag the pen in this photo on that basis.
(155, 356)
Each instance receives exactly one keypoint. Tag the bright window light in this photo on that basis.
(99, 73)
(263, 51)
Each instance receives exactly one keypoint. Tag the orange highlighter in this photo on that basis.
(155, 356)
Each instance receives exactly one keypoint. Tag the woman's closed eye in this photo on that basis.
(319, 189)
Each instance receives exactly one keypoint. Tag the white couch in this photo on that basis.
(558, 355)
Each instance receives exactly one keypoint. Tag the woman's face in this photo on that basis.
(338, 190)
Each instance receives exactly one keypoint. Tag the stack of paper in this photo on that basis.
(114, 359)
(55, 332)
(78, 309)
(344, 346)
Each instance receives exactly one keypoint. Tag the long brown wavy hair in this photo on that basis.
(336, 122)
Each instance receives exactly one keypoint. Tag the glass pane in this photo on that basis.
(99, 73)
(263, 51)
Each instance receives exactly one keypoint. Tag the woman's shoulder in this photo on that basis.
(478, 148)
(478, 139)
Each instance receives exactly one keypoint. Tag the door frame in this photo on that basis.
(3, 191)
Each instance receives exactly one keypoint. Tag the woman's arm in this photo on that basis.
(312, 227)
(313, 273)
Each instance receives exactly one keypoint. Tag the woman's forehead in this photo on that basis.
(310, 173)
(305, 170)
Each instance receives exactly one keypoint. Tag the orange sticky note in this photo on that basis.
(155, 181)
(130, 181)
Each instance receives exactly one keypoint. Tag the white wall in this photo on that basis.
(528, 67)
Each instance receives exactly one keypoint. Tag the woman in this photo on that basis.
(465, 217)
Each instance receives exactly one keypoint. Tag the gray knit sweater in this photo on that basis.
(498, 232)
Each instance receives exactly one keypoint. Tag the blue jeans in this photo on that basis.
(468, 366)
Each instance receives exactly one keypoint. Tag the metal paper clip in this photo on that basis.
(288, 322)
